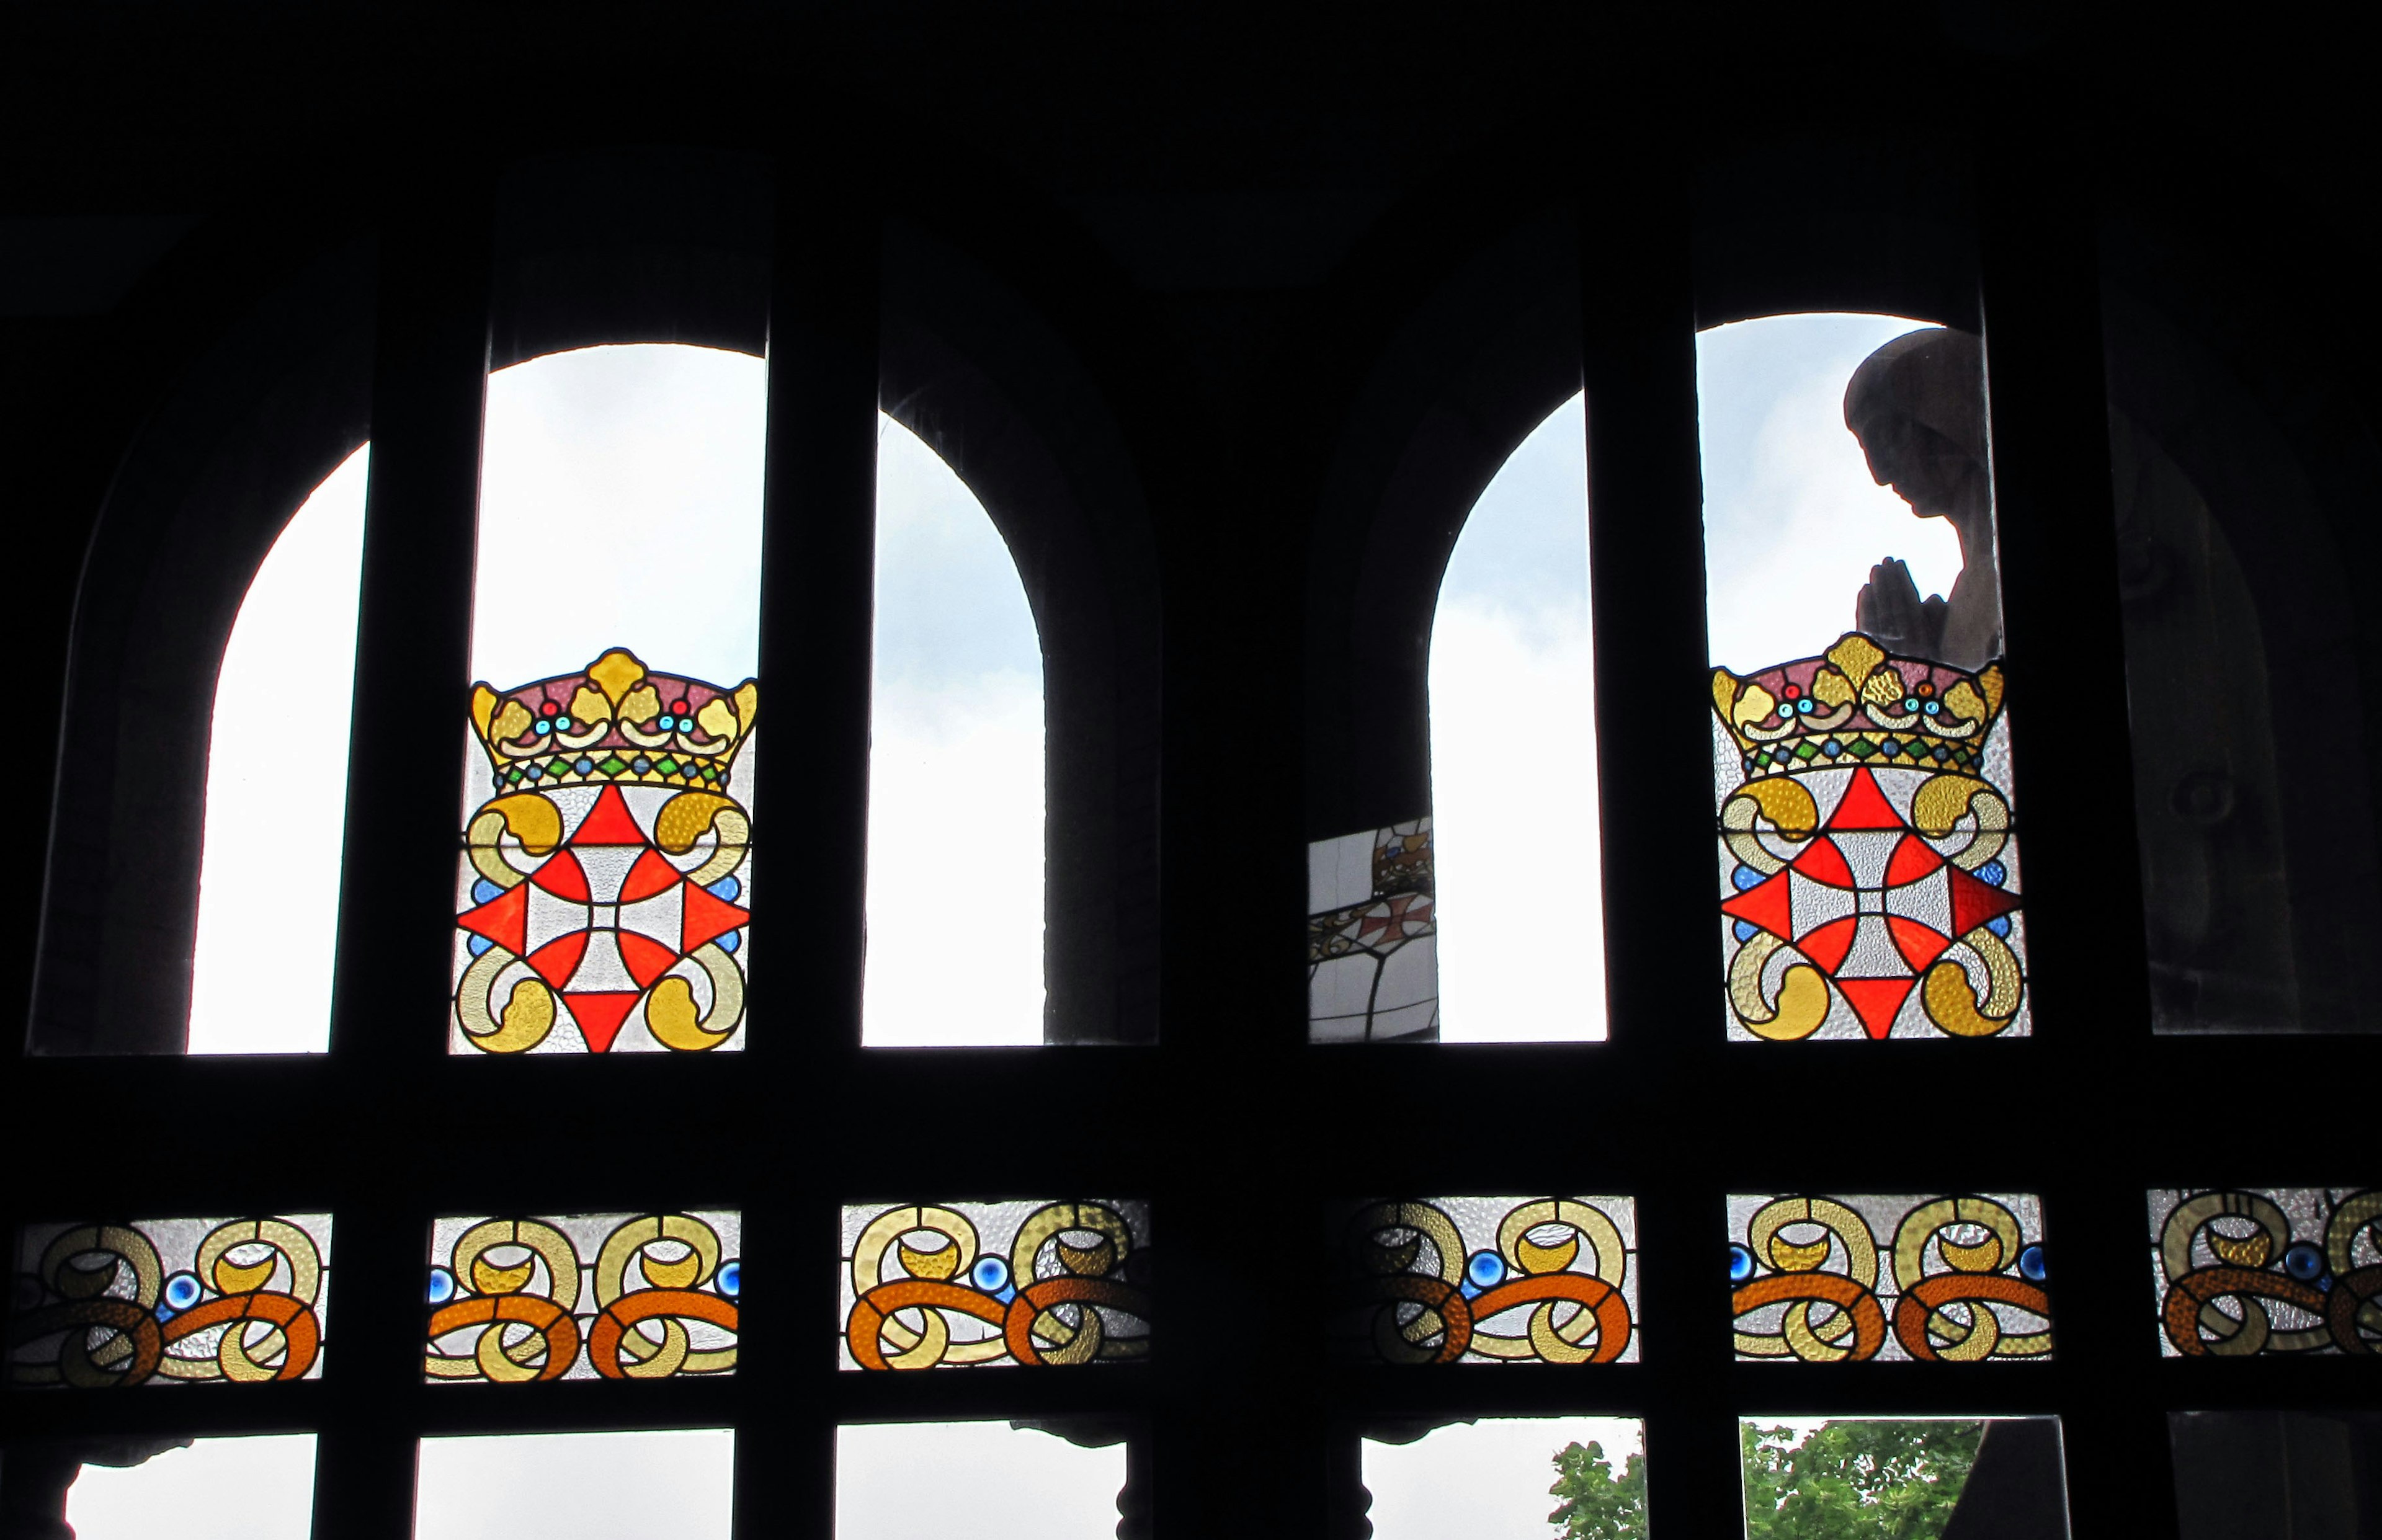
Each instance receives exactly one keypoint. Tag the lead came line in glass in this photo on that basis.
(2248, 1271)
(1486, 1280)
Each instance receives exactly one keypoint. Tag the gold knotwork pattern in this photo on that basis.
(2284, 1270)
(929, 1286)
(612, 1296)
(180, 1300)
(1442, 1280)
(1958, 1279)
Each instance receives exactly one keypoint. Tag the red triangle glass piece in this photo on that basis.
(562, 876)
(503, 919)
(645, 957)
(650, 876)
(1824, 864)
(1919, 944)
(1876, 1001)
(1975, 902)
(706, 918)
(608, 823)
(1827, 944)
(559, 958)
(1766, 904)
(1914, 859)
(1863, 806)
(599, 1014)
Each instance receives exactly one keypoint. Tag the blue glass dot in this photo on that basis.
(582, 764)
(1746, 930)
(1740, 1265)
(544, 729)
(2030, 1264)
(1993, 871)
(641, 764)
(536, 771)
(442, 1285)
(989, 1274)
(562, 724)
(2304, 1262)
(1745, 879)
(1807, 707)
(182, 1291)
(729, 941)
(1832, 748)
(477, 945)
(484, 891)
(1999, 924)
(729, 1278)
(727, 890)
(1932, 708)
(1485, 1269)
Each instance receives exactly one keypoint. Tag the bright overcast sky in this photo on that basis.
(1483, 1481)
(620, 505)
(1792, 525)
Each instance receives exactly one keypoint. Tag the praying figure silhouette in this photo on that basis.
(1918, 406)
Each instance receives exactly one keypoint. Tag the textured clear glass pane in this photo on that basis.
(211, 1489)
(1013, 1481)
(584, 1296)
(1372, 934)
(589, 1486)
(604, 888)
(1855, 1276)
(955, 763)
(1868, 878)
(170, 1301)
(1508, 1478)
(2244, 1271)
(1489, 1280)
(1915, 1478)
(1512, 734)
(957, 1284)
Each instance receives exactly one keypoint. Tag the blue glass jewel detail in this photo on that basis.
(2030, 1264)
(1993, 871)
(182, 1291)
(1747, 930)
(2304, 1261)
(484, 891)
(727, 890)
(729, 941)
(1740, 1265)
(729, 1280)
(989, 1274)
(477, 945)
(1485, 1269)
(442, 1285)
(1999, 924)
(1745, 879)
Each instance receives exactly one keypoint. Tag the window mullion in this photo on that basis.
(2048, 404)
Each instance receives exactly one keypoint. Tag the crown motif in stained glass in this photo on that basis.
(1855, 705)
(613, 721)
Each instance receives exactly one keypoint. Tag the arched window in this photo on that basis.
(1513, 756)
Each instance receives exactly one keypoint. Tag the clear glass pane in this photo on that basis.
(1011, 1481)
(1911, 1478)
(954, 768)
(584, 1296)
(958, 1284)
(1490, 1280)
(1512, 734)
(1509, 1479)
(2244, 1271)
(1868, 871)
(170, 1301)
(585, 1485)
(1956, 1277)
(2256, 1475)
(606, 881)
(269, 874)
(213, 1489)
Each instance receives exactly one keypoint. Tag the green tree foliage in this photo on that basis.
(1856, 1480)
(1598, 1504)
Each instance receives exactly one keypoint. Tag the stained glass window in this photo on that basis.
(905, 1481)
(957, 1284)
(584, 1296)
(605, 886)
(256, 1488)
(1957, 1278)
(955, 769)
(170, 1301)
(1512, 734)
(1490, 1280)
(678, 1483)
(1373, 967)
(2267, 1270)
(1502, 1478)
(1868, 866)
(1868, 870)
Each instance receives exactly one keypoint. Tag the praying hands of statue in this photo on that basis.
(1889, 608)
